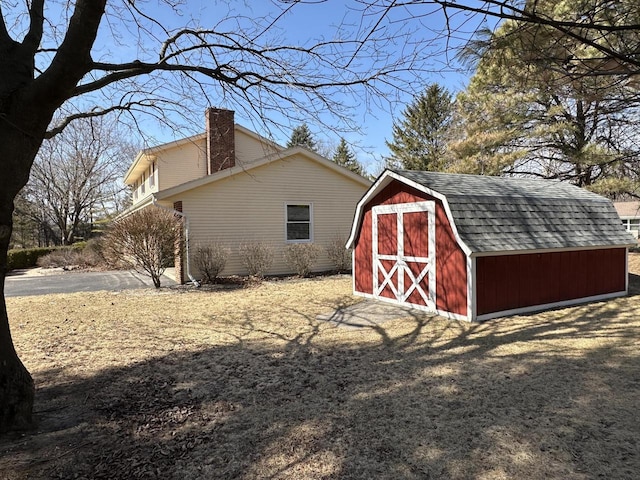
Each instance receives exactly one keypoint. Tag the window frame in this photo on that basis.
(152, 174)
(287, 222)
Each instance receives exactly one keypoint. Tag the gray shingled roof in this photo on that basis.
(502, 214)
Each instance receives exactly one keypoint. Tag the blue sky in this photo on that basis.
(305, 24)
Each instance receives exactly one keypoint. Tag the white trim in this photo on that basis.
(549, 306)
(400, 268)
(353, 270)
(268, 159)
(286, 222)
(502, 253)
(422, 308)
(471, 287)
(626, 271)
(383, 181)
(388, 176)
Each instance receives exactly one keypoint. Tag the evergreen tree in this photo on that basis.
(420, 138)
(526, 112)
(302, 136)
(344, 157)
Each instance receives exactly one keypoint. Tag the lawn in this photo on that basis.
(247, 384)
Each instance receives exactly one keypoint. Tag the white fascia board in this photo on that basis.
(472, 297)
(145, 202)
(500, 253)
(380, 183)
(385, 179)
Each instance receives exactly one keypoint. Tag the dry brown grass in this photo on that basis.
(247, 384)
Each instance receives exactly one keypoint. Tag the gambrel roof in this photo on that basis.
(500, 214)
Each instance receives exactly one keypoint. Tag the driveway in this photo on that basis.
(42, 282)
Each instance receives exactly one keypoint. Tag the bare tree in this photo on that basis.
(81, 62)
(145, 241)
(77, 175)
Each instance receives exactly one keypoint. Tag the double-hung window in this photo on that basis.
(299, 226)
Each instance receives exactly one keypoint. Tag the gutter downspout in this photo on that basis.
(186, 235)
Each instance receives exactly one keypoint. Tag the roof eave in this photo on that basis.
(200, 182)
(384, 180)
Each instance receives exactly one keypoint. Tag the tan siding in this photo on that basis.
(249, 148)
(181, 164)
(251, 206)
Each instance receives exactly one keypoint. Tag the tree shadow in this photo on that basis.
(541, 396)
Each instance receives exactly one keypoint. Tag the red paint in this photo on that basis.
(451, 272)
(502, 282)
(515, 281)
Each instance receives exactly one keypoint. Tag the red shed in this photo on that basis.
(476, 247)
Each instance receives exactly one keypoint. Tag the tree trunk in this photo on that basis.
(16, 385)
(17, 151)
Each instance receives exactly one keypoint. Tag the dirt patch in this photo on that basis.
(247, 384)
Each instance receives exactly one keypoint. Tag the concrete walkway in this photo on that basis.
(369, 313)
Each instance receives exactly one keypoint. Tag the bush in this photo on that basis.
(301, 257)
(210, 260)
(62, 257)
(26, 257)
(339, 256)
(81, 254)
(92, 254)
(257, 257)
(144, 240)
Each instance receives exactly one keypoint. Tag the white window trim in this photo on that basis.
(286, 222)
(152, 174)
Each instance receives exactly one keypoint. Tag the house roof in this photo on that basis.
(498, 214)
(628, 209)
(289, 152)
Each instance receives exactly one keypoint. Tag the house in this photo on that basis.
(232, 186)
(475, 247)
(629, 213)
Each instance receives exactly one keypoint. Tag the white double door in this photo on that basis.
(404, 253)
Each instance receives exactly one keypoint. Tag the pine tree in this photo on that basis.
(344, 157)
(419, 139)
(526, 111)
(302, 136)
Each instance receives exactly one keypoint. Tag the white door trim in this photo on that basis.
(400, 267)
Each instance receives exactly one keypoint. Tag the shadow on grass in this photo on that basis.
(547, 396)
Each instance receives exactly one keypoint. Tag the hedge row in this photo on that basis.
(27, 257)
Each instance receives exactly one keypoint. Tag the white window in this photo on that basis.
(152, 174)
(143, 180)
(299, 227)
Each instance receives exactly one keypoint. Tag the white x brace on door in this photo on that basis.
(404, 253)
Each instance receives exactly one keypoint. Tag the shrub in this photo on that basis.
(92, 254)
(82, 254)
(339, 256)
(26, 257)
(144, 240)
(301, 257)
(210, 260)
(62, 257)
(257, 257)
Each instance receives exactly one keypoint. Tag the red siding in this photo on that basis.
(451, 272)
(516, 281)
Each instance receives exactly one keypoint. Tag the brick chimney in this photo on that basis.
(221, 151)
